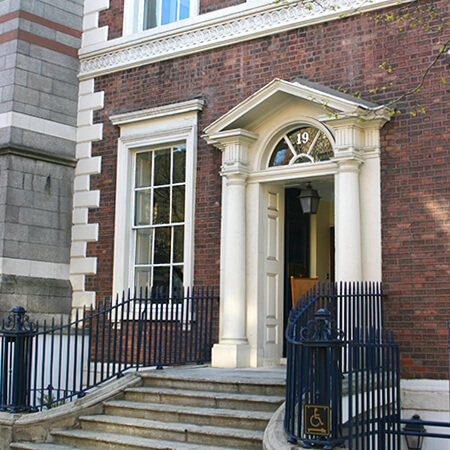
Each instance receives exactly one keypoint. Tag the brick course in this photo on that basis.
(414, 156)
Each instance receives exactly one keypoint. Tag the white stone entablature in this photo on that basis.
(250, 20)
(251, 319)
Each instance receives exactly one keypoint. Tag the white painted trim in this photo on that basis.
(160, 111)
(208, 31)
(83, 198)
(37, 269)
(432, 395)
(342, 104)
(95, 6)
(37, 125)
(150, 128)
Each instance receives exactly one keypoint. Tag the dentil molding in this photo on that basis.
(203, 34)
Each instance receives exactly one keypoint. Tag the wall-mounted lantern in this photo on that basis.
(414, 441)
(309, 200)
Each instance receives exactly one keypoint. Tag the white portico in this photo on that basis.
(255, 181)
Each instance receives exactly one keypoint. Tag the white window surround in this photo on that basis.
(133, 16)
(147, 129)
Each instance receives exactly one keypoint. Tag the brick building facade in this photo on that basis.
(230, 81)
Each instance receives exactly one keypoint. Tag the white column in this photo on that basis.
(348, 222)
(234, 262)
(233, 349)
(357, 197)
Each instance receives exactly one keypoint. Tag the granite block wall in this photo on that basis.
(38, 115)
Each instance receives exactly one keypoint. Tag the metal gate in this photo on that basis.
(343, 380)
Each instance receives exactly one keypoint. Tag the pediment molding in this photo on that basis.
(330, 106)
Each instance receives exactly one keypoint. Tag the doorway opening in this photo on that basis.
(308, 242)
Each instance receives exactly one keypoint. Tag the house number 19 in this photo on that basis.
(302, 138)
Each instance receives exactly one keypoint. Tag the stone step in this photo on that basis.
(190, 433)
(253, 420)
(110, 441)
(204, 399)
(190, 382)
(39, 446)
(181, 410)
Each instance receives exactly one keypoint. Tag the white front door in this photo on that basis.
(273, 245)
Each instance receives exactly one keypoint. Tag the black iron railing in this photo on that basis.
(342, 368)
(47, 365)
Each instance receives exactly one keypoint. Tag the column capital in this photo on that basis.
(359, 136)
(235, 145)
(349, 162)
(235, 175)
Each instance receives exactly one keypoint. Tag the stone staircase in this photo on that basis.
(179, 409)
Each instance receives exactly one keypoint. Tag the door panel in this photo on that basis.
(274, 261)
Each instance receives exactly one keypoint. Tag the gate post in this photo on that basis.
(18, 333)
(322, 419)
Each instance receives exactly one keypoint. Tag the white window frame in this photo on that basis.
(156, 127)
(133, 16)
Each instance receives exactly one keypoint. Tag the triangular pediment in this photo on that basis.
(279, 93)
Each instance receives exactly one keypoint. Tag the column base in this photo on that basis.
(230, 356)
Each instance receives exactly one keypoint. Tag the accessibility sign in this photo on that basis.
(317, 420)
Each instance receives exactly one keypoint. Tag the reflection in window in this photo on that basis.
(304, 144)
(161, 12)
(159, 216)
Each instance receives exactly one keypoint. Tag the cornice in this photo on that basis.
(252, 23)
(26, 152)
(158, 112)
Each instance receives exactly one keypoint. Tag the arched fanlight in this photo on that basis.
(306, 144)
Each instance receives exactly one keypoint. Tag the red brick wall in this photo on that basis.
(212, 5)
(113, 18)
(414, 157)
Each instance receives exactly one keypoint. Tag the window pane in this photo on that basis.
(149, 14)
(162, 245)
(178, 244)
(162, 167)
(161, 205)
(142, 278)
(177, 277)
(144, 246)
(179, 164)
(143, 169)
(178, 204)
(303, 138)
(161, 276)
(142, 211)
(168, 11)
(281, 155)
(323, 149)
(184, 9)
